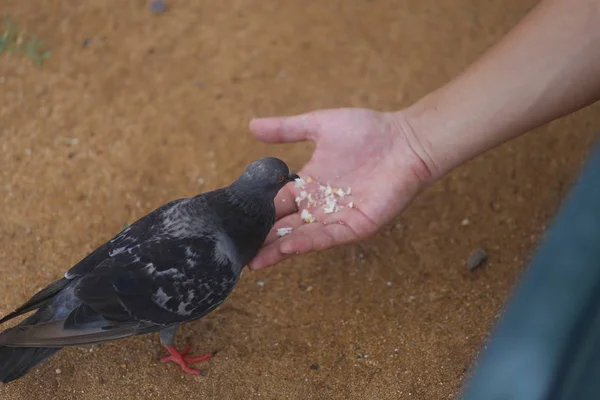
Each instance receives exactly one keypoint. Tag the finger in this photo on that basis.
(267, 256)
(356, 220)
(305, 239)
(285, 129)
(316, 237)
(301, 239)
(290, 221)
(285, 202)
(351, 217)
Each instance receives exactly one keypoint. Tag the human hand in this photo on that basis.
(369, 152)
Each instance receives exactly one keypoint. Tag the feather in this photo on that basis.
(38, 300)
(54, 334)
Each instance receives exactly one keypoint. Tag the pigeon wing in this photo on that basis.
(160, 284)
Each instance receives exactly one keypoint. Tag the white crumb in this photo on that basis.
(307, 216)
(283, 231)
(326, 190)
(351, 204)
(299, 183)
(301, 196)
(57, 370)
(348, 191)
(465, 222)
(330, 205)
(326, 197)
(260, 283)
(201, 181)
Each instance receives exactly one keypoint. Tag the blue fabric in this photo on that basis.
(546, 346)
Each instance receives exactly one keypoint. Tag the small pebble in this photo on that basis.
(389, 283)
(201, 181)
(477, 257)
(86, 42)
(315, 366)
(465, 222)
(260, 283)
(57, 370)
(158, 7)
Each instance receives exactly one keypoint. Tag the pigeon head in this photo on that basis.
(266, 176)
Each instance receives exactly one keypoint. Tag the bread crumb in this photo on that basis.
(327, 190)
(351, 204)
(301, 197)
(299, 183)
(284, 231)
(330, 205)
(326, 197)
(307, 216)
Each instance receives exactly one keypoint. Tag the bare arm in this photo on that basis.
(548, 66)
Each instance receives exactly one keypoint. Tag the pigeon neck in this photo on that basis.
(252, 202)
(249, 221)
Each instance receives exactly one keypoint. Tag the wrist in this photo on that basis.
(415, 132)
(447, 129)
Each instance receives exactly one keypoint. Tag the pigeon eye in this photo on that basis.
(282, 179)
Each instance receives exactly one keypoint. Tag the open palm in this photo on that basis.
(366, 154)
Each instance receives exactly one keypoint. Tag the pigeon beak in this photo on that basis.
(293, 177)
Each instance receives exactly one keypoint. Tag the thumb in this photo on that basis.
(286, 129)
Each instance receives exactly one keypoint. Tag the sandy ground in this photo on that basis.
(156, 107)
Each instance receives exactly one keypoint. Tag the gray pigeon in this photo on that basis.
(174, 265)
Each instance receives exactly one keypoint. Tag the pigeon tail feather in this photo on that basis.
(38, 300)
(18, 361)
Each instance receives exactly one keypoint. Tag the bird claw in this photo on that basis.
(180, 359)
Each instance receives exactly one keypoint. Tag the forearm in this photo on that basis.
(548, 66)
